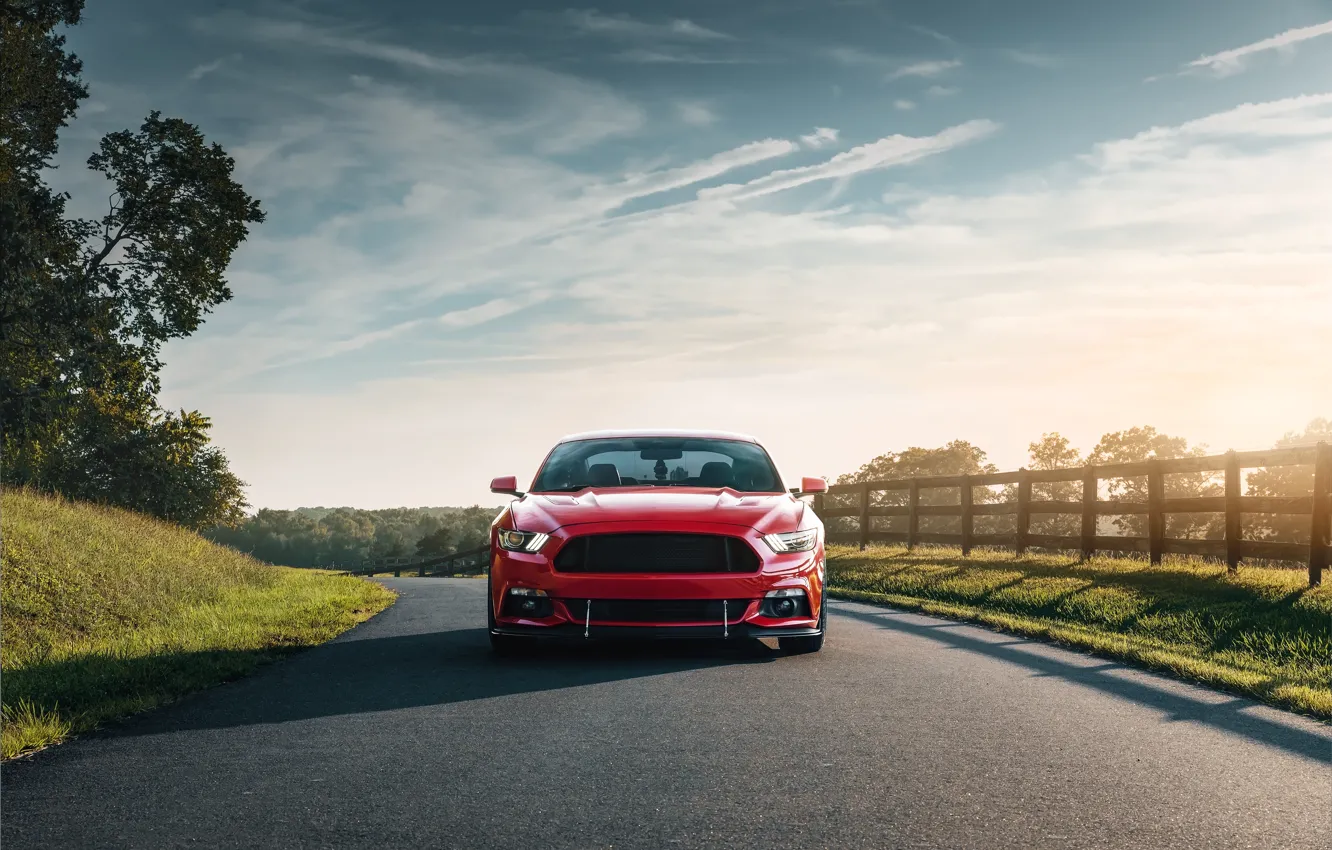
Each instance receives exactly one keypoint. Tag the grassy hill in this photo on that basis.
(105, 612)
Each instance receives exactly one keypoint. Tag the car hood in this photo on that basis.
(767, 513)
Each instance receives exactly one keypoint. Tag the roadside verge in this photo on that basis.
(107, 613)
(1260, 633)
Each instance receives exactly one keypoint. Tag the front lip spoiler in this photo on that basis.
(734, 631)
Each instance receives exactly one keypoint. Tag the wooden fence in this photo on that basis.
(473, 561)
(1318, 506)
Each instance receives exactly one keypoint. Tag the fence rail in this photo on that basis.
(473, 559)
(1233, 547)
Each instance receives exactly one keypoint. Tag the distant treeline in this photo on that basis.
(327, 537)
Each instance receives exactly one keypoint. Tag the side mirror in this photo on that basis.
(812, 486)
(505, 484)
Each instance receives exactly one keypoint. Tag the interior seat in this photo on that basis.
(603, 475)
(715, 474)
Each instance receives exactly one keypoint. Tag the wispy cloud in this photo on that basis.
(820, 137)
(198, 72)
(577, 111)
(904, 104)
(673, 56)
(934, 34)
(624, 26)
(695, 113)
(1232, 61)
(1294, 117)
(941, 91)
(496, 308)
(651, 183)
(854, 57)
(884, 153)
(1033, 58)
(930, 68)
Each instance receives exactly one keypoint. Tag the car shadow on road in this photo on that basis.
(436, 668)
(1168, 697)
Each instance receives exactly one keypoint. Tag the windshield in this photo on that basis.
(658, 461)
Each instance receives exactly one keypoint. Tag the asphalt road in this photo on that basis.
(906, 731)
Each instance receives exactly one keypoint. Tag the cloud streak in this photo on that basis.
(884, 153)
(820, 137)
(930, 68)
(1232, 61)
(623, 26)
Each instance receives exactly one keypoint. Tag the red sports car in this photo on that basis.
(657, 534)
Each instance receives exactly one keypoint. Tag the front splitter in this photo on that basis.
(733, 631)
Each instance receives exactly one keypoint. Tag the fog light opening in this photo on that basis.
(526, 602)
(786, 602)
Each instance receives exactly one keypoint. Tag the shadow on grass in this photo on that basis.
(368, 675)
(1135, 575)
(1169, 698)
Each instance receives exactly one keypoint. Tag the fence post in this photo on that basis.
(864, 516)
(1320, 532)
(1155, 514)
(1089, 513)
(913, 518)
(1234, 531)
(965, 499)
(420, 569)
(818, 505)
(1023, 510)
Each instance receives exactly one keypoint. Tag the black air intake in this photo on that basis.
(656, 553)
(658, 610)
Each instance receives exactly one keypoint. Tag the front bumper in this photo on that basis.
(567, 592)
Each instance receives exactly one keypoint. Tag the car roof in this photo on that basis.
(658, 432)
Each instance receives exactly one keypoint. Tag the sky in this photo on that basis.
(845, 227)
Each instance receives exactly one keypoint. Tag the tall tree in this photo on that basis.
(1286, 481)
(85, 306)
(1054, 451)
(1145, 443)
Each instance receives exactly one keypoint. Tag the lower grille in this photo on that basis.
(657, 610)
(656, 553)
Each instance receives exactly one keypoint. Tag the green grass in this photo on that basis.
(105, 612)
(1260, 632)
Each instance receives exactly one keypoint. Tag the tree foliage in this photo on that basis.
(86, 305)
(1054, 451)
(1146, 443)
(958, 457)
(1286, 481)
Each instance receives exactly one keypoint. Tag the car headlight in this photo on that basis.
(793, 541)
(521, 541)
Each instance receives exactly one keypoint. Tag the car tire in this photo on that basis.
(806, 645)
(503, 645)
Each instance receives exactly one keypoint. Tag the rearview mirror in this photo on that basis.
(505, 484)
(812, 486)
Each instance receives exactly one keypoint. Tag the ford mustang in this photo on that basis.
(657, 534)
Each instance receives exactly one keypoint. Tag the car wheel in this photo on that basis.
(803, 645)
(499, 644)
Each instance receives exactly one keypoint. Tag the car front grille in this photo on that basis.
(657, 610)
(656, 553)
